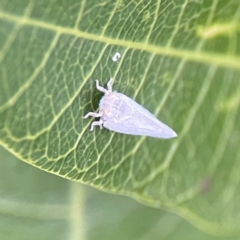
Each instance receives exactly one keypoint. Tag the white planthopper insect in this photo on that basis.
(121, 114)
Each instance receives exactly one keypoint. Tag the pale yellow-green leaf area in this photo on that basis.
(215, 30)
(229, 104)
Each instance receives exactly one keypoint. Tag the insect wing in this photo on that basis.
(131, 118)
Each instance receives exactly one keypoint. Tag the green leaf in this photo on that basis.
(180, 59)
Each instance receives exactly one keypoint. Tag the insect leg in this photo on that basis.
(101, 88)
(96, 123)
(93, 114)
(109, 84)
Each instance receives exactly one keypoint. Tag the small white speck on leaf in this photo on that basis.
(121, 114)
(116, 56)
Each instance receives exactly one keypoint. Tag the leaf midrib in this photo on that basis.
(196, 56)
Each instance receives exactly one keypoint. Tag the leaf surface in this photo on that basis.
(179, 59)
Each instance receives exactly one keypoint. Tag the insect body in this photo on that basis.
(121, 114)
